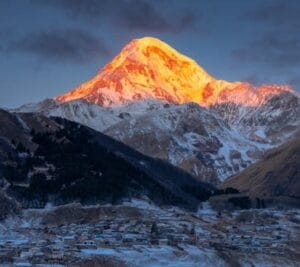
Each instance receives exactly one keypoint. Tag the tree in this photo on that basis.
(21, 148)
(193, 236)
(32, 132)
(154, 229)
(258, 203)
(193, 232)
(243, 202)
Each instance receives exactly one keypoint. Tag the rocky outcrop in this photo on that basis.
(277, 174)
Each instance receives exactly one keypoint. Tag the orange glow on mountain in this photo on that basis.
(148, 68)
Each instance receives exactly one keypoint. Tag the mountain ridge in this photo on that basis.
(148, 68)
(210, 128)
(58, 161)
(277, 174)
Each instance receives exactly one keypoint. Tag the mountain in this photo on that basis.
(145, 68)
(55, 160)
(277, 174)
(165, 105)
(273, 122)
(191, 137)
(148, 68)
(89, 114)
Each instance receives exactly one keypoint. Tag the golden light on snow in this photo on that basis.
(148, 68)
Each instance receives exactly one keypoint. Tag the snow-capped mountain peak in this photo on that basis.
(148, 68)
(145, 68)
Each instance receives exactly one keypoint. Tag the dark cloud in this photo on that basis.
(273, 50)
(280, 14)
(66, 46)
(142, 15)
(290, 78)
(254, 79)
(277, 46)
(127, 14)
(279, 54)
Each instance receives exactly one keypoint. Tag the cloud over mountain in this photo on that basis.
(277, 46)
(127, 14)
(65, 46)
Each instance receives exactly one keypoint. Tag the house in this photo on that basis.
(163, 242)
(87, 244)
(142, 241)
(69, 240)
(128, 240)
(102, 242)
(56, 253)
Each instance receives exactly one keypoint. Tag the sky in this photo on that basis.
(48, 47)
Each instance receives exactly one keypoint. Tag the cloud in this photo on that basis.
(254, 79)
(65, 46)
(280, 55)
(271, 49)
(141, 15)
(277, 46)
(280, 14)
(127, 14)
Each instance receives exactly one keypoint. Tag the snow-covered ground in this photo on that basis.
(162, 256)
(258, 237)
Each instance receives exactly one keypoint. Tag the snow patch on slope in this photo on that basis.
(207, 142)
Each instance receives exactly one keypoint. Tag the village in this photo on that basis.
(270, 232)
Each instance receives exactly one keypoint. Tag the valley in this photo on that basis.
(152, 162)
(138, 233)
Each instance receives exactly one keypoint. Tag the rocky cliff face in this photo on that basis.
(271, 122)
(188, 136)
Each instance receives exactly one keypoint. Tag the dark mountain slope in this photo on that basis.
(61, 161)
(8, 206)
(277, 174)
